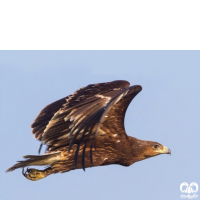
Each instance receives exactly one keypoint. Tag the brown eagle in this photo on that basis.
(86, 129)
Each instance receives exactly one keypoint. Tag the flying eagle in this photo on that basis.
(86, 129)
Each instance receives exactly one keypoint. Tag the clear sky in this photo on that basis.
(167, 111)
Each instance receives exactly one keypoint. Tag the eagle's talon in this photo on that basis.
(33, 174)
(27, 170)
(23, 170)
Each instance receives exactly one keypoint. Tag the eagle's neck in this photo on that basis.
(137, 149)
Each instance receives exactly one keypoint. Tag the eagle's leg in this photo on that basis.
(35, 174)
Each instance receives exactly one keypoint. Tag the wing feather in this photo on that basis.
(114, 122)
(77, 118)
(84, 93)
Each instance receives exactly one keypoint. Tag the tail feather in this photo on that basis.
(40, 160)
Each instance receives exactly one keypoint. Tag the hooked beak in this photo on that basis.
(166, 150)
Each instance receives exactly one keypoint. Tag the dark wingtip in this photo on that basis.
(40, 147)
(139, 87)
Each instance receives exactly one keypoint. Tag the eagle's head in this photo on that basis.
(154, 148)
(142, 149)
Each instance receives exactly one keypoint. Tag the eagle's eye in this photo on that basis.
(156, 146)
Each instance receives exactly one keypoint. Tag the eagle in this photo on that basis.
(86, 129)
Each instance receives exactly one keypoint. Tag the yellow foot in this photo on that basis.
(33, 174)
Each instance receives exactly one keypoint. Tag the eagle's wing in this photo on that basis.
(114, 121)
(45, 115)
(78, 119)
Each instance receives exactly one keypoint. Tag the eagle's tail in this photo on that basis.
(47, 159)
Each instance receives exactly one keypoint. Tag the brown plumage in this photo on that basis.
(86, 129)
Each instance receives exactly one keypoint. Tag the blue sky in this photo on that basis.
(167, 111)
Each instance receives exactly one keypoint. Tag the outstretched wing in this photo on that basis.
(114, 121)
(44, 117)
(80, 95)
(79, 118)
